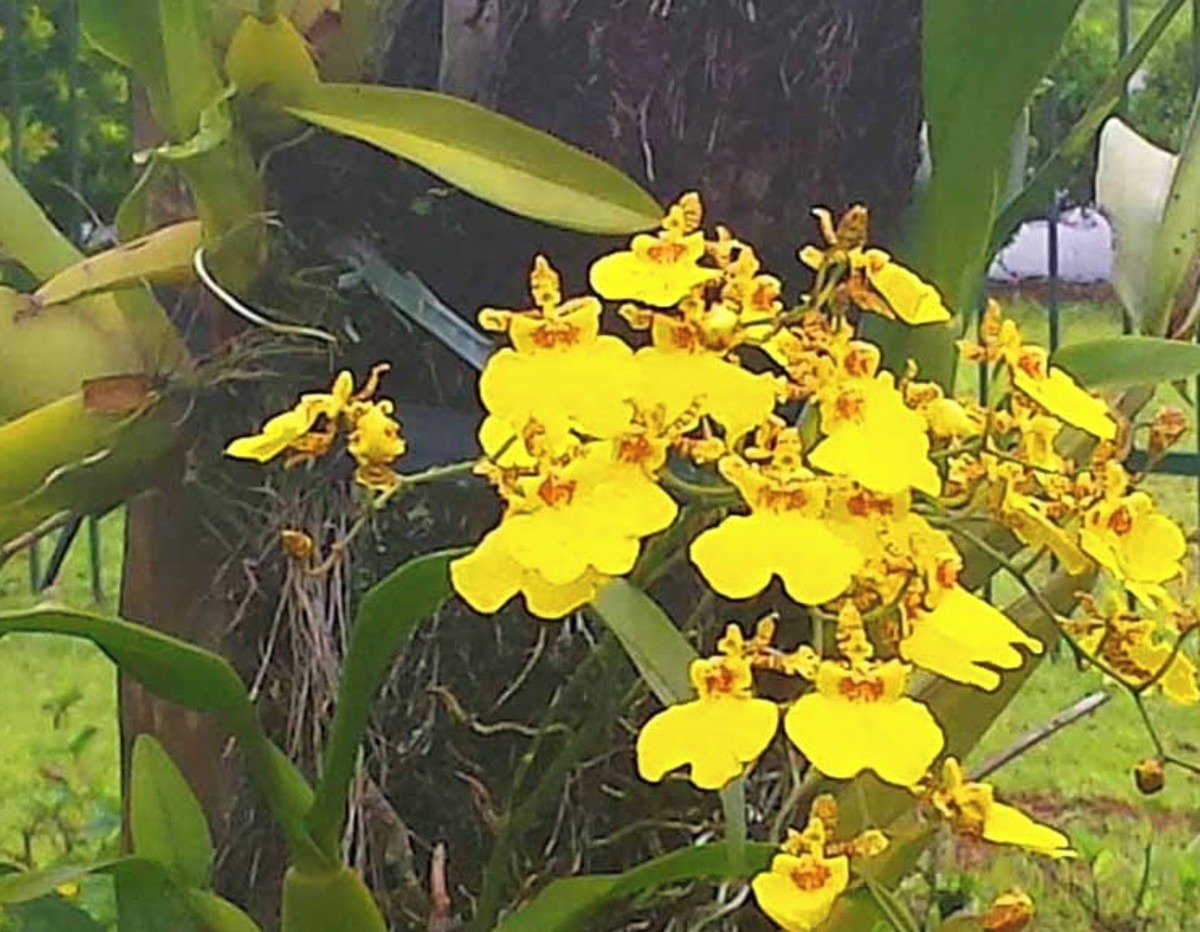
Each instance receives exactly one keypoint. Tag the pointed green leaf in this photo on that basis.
(51, 914)
(168, 45)
(386, 619)
(568, 904)
(218, 915)
(327, 900)
(27, 235)
(497, 159)
(150, 900)
(657, 648)
(1122, 361)
(24, 886)
(166, 820)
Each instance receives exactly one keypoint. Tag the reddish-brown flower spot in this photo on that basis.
(1120, 522)
(812, 876)
(635, 448)
(665, 252)
(1031, 365)
(556, 492)
(849, 405)
(860, 690)
(555, 333)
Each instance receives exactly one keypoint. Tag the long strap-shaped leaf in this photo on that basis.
(493, 157)
(195, 679)
(567, 905)
(386, 619)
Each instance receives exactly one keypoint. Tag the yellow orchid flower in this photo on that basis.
(558, 361)
(1136, 649)
(973, 811)
(858, 718)
(894, 291)
(488, 577)
(375, 443)
(716, 734)
(292, 431)
(278, 435)
(785, 534)
(1061, 395)
(861, 419)
(962, 634)
(798, 892)
(1134, 541)
(687, 381)
(661, 269)
(1009, 912)
(812, 869)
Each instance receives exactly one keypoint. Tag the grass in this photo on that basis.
(1079, 779)
(58, 723)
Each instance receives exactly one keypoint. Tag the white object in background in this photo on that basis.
(1085, 250)
(1133, 179)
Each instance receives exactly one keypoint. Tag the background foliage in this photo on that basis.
(42, 57)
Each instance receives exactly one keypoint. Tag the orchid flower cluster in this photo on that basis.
(854, 485)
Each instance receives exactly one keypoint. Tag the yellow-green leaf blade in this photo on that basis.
(497, 159)
(162, 256)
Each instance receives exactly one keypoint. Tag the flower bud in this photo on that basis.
(1009, 912)
(1149, 776)
(297, 545)
(1168, 426)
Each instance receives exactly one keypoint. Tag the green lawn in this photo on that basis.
(1078, 779)
(58, 720)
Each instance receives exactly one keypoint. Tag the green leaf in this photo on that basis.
(386, 619)
(166, 820)
(162, 256)
(167, 44)
(149, 900)
(218, 915)
(328, 900)
(497, 159)
(27, 235)
(24, 886)
(657, 648)
(1082, 136)
(269, 53)
(62, 458)
(1129, 360)
(568, 904)
(983, 59)
(51, 914)
(195, 679)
